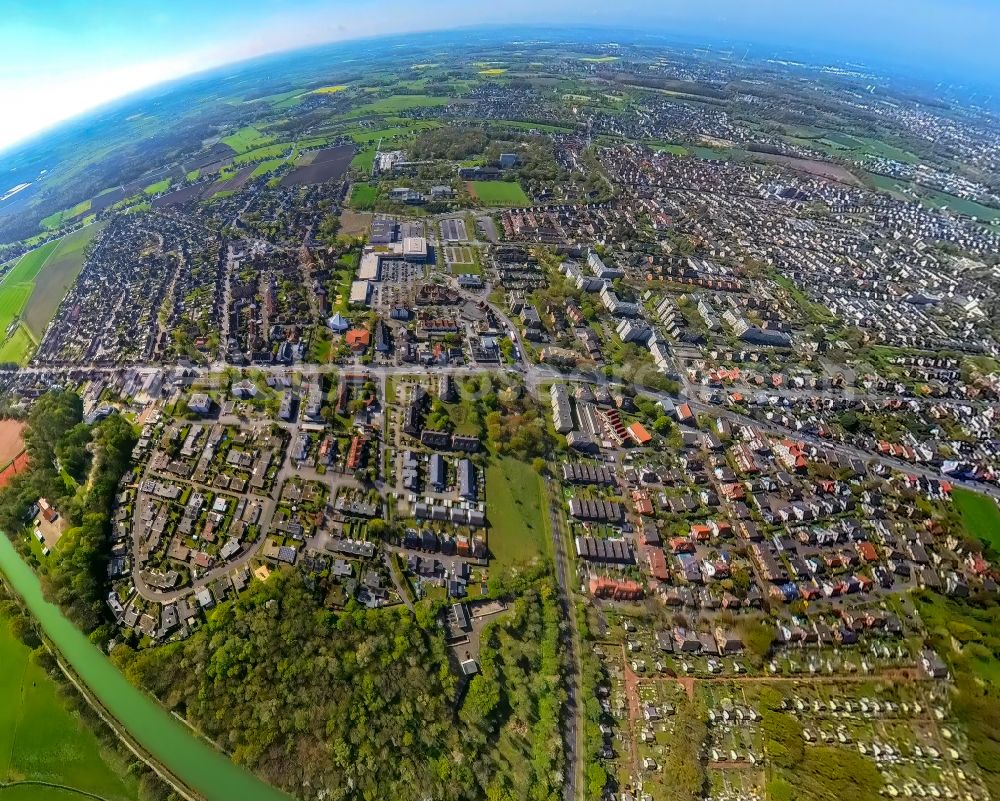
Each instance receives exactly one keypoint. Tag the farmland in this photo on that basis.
(396, 103)
(53, 221)
(514, 493)
(61, 270)
(158, 188)
(41, 739)
(24, 297)
(980, 515)
(499, 193)
(246, 139)
(326, 165)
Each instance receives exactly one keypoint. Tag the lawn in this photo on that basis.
(669, 147)
(158, 188)
(246, 139)
(41, 739)
(500, 193)
(362, 196)
(18, 348)
(515, 512)
(980, 515)
(364, 159)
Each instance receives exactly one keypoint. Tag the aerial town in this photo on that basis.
(734, 385)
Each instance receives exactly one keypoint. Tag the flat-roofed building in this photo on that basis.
(360, 291)
(415, 249)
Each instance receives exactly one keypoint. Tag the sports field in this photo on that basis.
(980, 515)
(41, 739)
(515, 512)
(499, 193)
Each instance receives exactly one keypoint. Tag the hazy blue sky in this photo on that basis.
(61, 57)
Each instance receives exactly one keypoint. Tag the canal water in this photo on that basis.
(200, 766)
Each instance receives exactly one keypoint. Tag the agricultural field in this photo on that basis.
(263, 153)
(25, 297)
(61, 270)
(518, 527)
(499, 193)
(960, 205)
(42, 740)
(329, 90)
(158, 188)
(53, 221)
(246, 139)
(980, 515)
(397, 103)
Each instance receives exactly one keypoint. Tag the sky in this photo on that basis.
(59, 58)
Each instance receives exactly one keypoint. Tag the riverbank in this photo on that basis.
(45, 738)
(192, 762)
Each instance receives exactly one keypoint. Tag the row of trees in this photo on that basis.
(93, 457)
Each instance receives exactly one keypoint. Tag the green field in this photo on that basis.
(396, 103)
(34, 288)
(980, 515)
(262, 153)
(41, 739)
(515, 511)
(16, 290)
(960, 205)
(53, 221)
(362, 196)
(599, 59)
(364, 159)
(17, 349)
(500, 193)
(158, 188)
(61, 270)
(669, 147)
(268, 166)
(246, 139)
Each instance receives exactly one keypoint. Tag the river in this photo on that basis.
(196, 763)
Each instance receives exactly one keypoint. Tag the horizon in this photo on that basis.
(131, 53)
